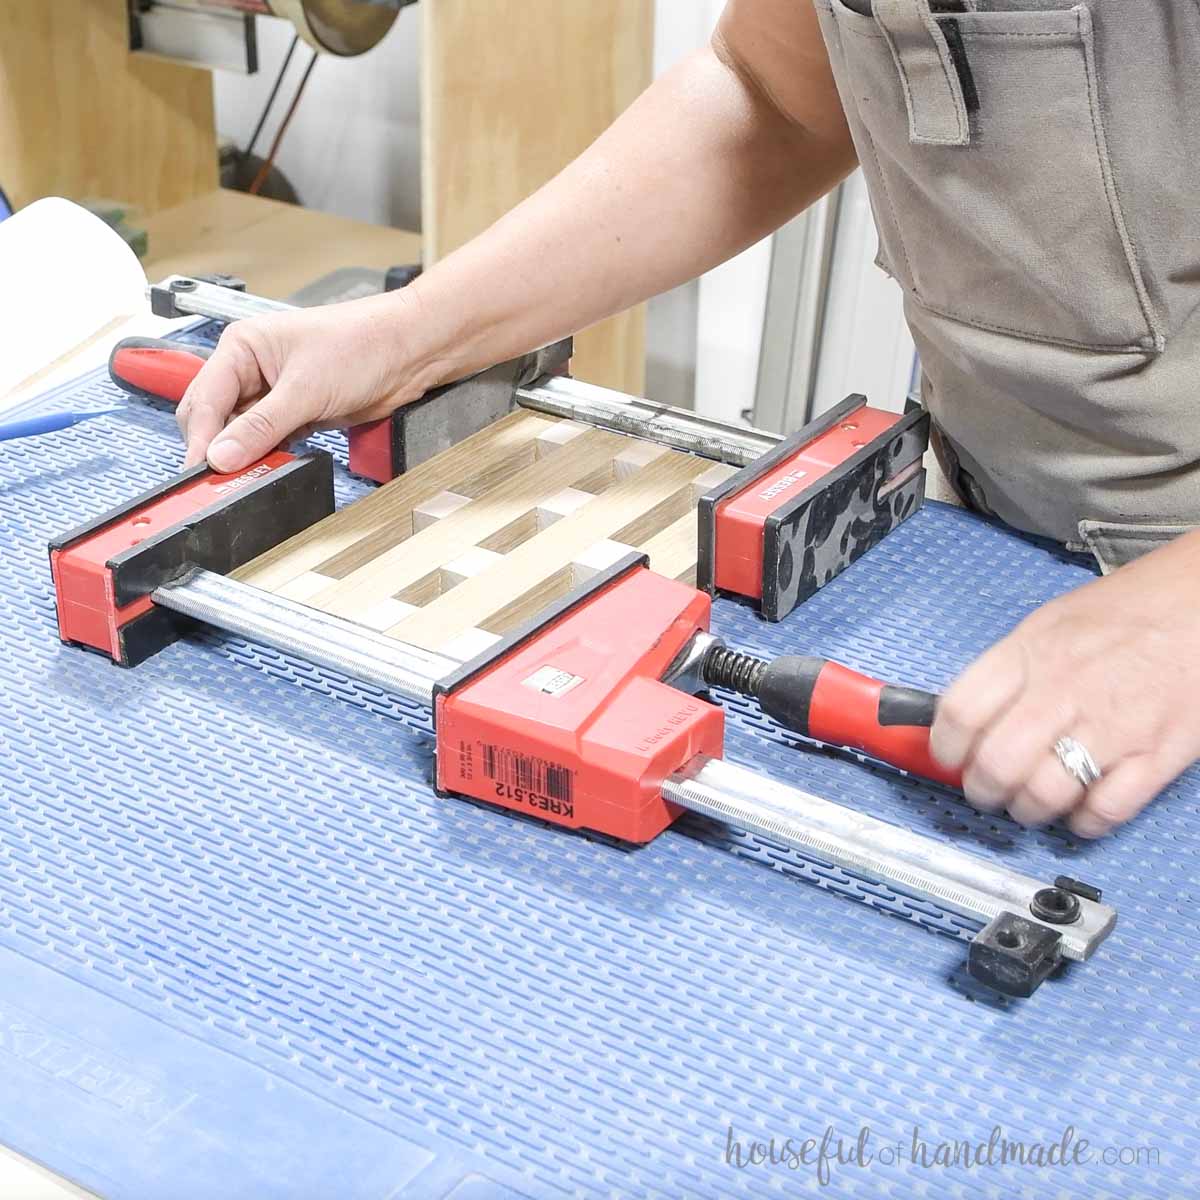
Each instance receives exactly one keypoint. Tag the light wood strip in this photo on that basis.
(562, 504)
(473, 562)
(534, 570)
(558, 434)
(672, 550)
(599, 556)
(355, 535)
(634, 457)
(304, 587)
(386, 612)
(656, 517)
(529, 603)
(469, 643)
(425, 552)
(437, 508)
(716, 474)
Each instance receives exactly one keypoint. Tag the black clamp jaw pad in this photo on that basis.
(1013, 955)
(106, 570)
(447, 415)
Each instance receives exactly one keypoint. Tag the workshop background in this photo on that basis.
(353, 148)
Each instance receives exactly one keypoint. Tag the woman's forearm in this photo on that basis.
(702, 165)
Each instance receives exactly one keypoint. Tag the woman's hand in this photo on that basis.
(1115, 665)
(279, 376)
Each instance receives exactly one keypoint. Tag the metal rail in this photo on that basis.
(555, 395)
(912, 864)
(180, 295)
(675, 427)
(352, 650)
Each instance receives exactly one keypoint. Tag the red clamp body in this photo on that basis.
(104, 571)
(792, 520)
(376, 449)
(568, 720)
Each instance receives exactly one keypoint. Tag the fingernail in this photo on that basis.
(226, 454)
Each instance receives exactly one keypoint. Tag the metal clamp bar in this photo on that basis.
(183, 296)
(307, 633)
(675, 427)
(909, 862)
(560, 396)
(1014, 952)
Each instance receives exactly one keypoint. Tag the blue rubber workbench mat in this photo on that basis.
(246, 952)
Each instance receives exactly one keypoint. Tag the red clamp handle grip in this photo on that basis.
(833, 704)
(155, 367)
(887, 722)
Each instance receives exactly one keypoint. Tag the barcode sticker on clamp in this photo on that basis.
(552, 681)
(525, 779)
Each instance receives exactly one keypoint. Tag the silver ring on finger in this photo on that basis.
(1077, 761)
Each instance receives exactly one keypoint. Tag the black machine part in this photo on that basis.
(1014, 955)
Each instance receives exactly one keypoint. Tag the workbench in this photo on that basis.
(246, 950)
(276, 248)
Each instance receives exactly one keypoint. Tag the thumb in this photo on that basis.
(262, 427)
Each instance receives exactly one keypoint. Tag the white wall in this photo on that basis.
(865, 343)
(354, 145)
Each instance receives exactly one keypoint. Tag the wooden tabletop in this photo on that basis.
(276, 248)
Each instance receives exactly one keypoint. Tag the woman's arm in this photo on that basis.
(717, 153)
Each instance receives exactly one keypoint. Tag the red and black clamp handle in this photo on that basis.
(823, 700)
(155, 367)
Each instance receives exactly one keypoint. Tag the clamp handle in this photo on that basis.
(155, 367)
(831, 703)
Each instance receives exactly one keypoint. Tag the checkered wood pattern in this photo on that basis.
(461, 549)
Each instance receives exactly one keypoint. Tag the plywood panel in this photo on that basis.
(512, 91)
(82, 117)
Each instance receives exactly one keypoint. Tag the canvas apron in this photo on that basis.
(1034, 170)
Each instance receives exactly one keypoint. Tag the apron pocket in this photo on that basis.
(1020, 231)
(1114, 544)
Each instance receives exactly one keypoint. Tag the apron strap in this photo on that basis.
(937, 113)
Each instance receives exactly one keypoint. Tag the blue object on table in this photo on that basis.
(5, 206)
(245, 949)
(50, 422)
